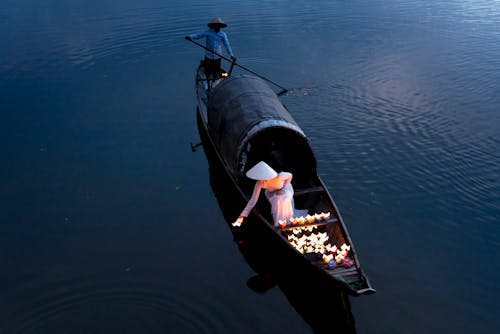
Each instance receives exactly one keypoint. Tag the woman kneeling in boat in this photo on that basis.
(278, 190)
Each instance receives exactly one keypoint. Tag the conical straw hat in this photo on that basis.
(217, 22)
(261, 171)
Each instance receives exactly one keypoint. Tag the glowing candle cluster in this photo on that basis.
(297, 221)
(318, 243)
(313, 243)
(340, 254)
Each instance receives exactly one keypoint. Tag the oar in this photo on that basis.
(233, 62)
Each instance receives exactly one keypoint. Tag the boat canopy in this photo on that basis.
(248, 123)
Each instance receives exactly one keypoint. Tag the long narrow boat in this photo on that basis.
(242, 121)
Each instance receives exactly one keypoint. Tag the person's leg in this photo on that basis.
(209, 69)
(217, 63)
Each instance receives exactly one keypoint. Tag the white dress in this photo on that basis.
(279, 192)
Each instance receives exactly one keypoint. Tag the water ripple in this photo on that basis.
(448, 162)
(129, 35)
(61, 298)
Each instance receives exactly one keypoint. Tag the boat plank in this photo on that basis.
(326, 222)
(307, 191)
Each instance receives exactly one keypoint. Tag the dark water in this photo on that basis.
(108, 220)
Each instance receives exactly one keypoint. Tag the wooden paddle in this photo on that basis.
(234, 63)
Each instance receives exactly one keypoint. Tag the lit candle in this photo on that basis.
(339, 258)
(310, 219)
(282, 223)
(327, 258)
(325, 215)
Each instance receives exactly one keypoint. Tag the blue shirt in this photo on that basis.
(214, 41)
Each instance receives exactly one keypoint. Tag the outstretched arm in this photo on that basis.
(251, 203)
(197, 36)
(253, 200)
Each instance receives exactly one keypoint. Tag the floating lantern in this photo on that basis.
(325, 215)
(344, 250)
(345, 247)
(327, 258)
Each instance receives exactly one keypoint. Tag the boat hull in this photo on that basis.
(351, 280)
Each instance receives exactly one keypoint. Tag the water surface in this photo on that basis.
(109, 222)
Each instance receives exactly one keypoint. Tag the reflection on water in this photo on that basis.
(399, 98)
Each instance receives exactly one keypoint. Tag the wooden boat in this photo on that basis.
(242, 121)
(322, 305)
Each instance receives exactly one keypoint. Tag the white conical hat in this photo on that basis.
(261, 171)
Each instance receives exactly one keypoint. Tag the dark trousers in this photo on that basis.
(212, 68)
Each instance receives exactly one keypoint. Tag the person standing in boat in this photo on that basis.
(278, 190)
(215, 38)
